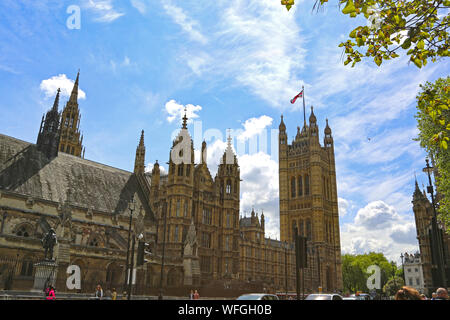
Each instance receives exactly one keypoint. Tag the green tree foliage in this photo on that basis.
(433, 118)
(393, 285)
(419, 27)
(354, 270)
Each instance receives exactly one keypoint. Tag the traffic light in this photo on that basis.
(143, 249)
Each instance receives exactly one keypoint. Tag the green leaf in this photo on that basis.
(444, 144)
(349, 8)
(418, 63)
(378, 61)
(421, 44)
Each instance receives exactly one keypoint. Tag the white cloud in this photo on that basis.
(176, 111)
(186, 23)
(254, 127)
(139, 5)
(378, 227)
(259, 189)
(259, 45)
(104, 9)
(50, 86)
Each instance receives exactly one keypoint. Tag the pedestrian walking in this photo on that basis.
(441, 294)
(99, 292)
(196, 295)
(191, 295)
(433, 296)
(113, 294)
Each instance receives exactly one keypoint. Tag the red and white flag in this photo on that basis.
(296, 97)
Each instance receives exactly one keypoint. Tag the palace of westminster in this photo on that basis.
(190, 219)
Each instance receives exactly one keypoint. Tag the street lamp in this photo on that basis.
(403, 268)
(131, 207)
(436, 239)
(160, 297)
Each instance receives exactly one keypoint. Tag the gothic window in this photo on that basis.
(175, 234)
(300, 186)
(178, 208)
(228, 186)
(180, 170)
(306, 185)
(293, 187)
(24, 231)
(206, 240)
(228, 220)
(329, 189)
(185, 209)
(235, 187)
(66, 123)
(27, 268)
(68, 149)
(94, 242)
(168, 233)
(71, 123)
(308, 229)
(227, 243)
(207, 216)
(188, 170)
(294, 226)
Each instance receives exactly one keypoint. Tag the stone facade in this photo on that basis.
(309, 201)
(423, 213)
(190, 219)
(412, 268)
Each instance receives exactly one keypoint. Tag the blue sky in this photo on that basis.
(234, 64)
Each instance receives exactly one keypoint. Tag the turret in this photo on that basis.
(139, 162)
(49, 135)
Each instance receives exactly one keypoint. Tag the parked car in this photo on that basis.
(350, 298)
(258, 296)
(361, 296)
(324, 296)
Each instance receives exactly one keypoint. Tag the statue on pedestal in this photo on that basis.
(48, 242)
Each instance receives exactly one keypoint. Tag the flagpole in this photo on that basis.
(304, 106)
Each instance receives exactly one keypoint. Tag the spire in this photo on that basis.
(282, 126)
(56, 103)
(312, 117)
(74, 94)
(327, 129)
(185, 119)
(139, 163)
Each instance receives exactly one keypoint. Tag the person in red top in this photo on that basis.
(196, 295)
(51, 293)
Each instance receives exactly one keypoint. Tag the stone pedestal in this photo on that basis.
(46, 272)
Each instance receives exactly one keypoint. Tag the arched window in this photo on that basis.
(293, 187)
(300, 186)
(301, 231)
(329, 189)
(27, 268)
(178, 208)
(235, 187)
(308, 229)
(176, 234)
(228, 189)
(188, 170)
(180, 170)
(24, 230)
(306, 185)
(185, 208)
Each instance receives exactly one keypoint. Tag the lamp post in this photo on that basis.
(131, 207)
(393, 274)
(160, 297)
(436, 239)
(285, 268)
(403, 268)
